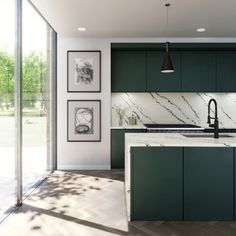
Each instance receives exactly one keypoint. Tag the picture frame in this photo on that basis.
(84, 71)
(84, 120)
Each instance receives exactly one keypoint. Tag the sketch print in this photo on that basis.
(84, 71)
(83, 120)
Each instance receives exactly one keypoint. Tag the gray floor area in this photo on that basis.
(72, 203)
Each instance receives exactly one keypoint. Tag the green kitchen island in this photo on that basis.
(169, 176)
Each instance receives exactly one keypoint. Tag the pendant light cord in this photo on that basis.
(167, 25)
(167, 21)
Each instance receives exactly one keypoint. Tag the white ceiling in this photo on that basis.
(140, 18)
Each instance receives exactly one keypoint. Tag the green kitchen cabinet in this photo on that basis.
(128, 71)
(118, 146)
(208, 183)
(163, 82)
(156, 183)
(235, 183)
(198, 71)
(226, 73)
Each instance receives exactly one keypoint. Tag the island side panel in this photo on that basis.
(156, 183)
(208, 183)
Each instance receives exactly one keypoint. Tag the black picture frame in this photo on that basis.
(97, 71)
(86, 136)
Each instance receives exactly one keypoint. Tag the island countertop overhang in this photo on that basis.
(177, 140)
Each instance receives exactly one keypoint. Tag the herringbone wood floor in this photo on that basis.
(92, 203)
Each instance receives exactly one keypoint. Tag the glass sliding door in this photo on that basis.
(33, 105)
(7, 108)
(36, 96)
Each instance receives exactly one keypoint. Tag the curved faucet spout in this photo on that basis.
(216, 123)
(209, 107)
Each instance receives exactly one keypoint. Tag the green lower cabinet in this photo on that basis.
(208, 183)
(235, 184)
(118, 146)
(156, 183)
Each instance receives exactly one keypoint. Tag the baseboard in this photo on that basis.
(83, 167)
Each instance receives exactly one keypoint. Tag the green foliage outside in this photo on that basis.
(34, 82)
(6, 80)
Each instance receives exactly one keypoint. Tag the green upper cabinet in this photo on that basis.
(128, 71)
(198, 68)
(163, 82)
(226, 73)
(198, 71)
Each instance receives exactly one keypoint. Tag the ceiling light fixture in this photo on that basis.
(200, 30)
(82, 29)
(167, 66)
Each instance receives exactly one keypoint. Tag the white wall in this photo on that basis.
(80, 155)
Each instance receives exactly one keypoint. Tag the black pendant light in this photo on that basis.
(167, 66)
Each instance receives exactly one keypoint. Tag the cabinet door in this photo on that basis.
(199, 71)
(156, 183)
(128, 71)
(234, 183)
(163, 82)
(208, 183)
(118, 146)
(226, 73)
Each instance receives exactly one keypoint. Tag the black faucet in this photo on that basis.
(216, 122)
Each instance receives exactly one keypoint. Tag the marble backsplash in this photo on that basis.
(178, 108)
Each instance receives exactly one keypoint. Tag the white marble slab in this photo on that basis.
(173, 108)
(167, 140)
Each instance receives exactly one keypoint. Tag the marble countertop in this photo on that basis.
(129, 127)
(178, 139)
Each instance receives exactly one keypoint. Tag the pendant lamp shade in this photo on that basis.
(167, 66)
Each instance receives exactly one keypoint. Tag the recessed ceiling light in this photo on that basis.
(82, 29)
(200, 30)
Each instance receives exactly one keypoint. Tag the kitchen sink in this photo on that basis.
(206, 136)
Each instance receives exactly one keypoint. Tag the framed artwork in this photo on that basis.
(83, 71)
(83, 120)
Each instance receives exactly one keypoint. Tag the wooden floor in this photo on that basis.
(92, 203)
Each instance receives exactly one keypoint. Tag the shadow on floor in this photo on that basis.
(40, 211)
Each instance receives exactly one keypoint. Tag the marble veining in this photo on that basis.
(173, 108)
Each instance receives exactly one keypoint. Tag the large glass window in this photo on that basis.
(37, 101)
(7, 119)
(36, 97)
